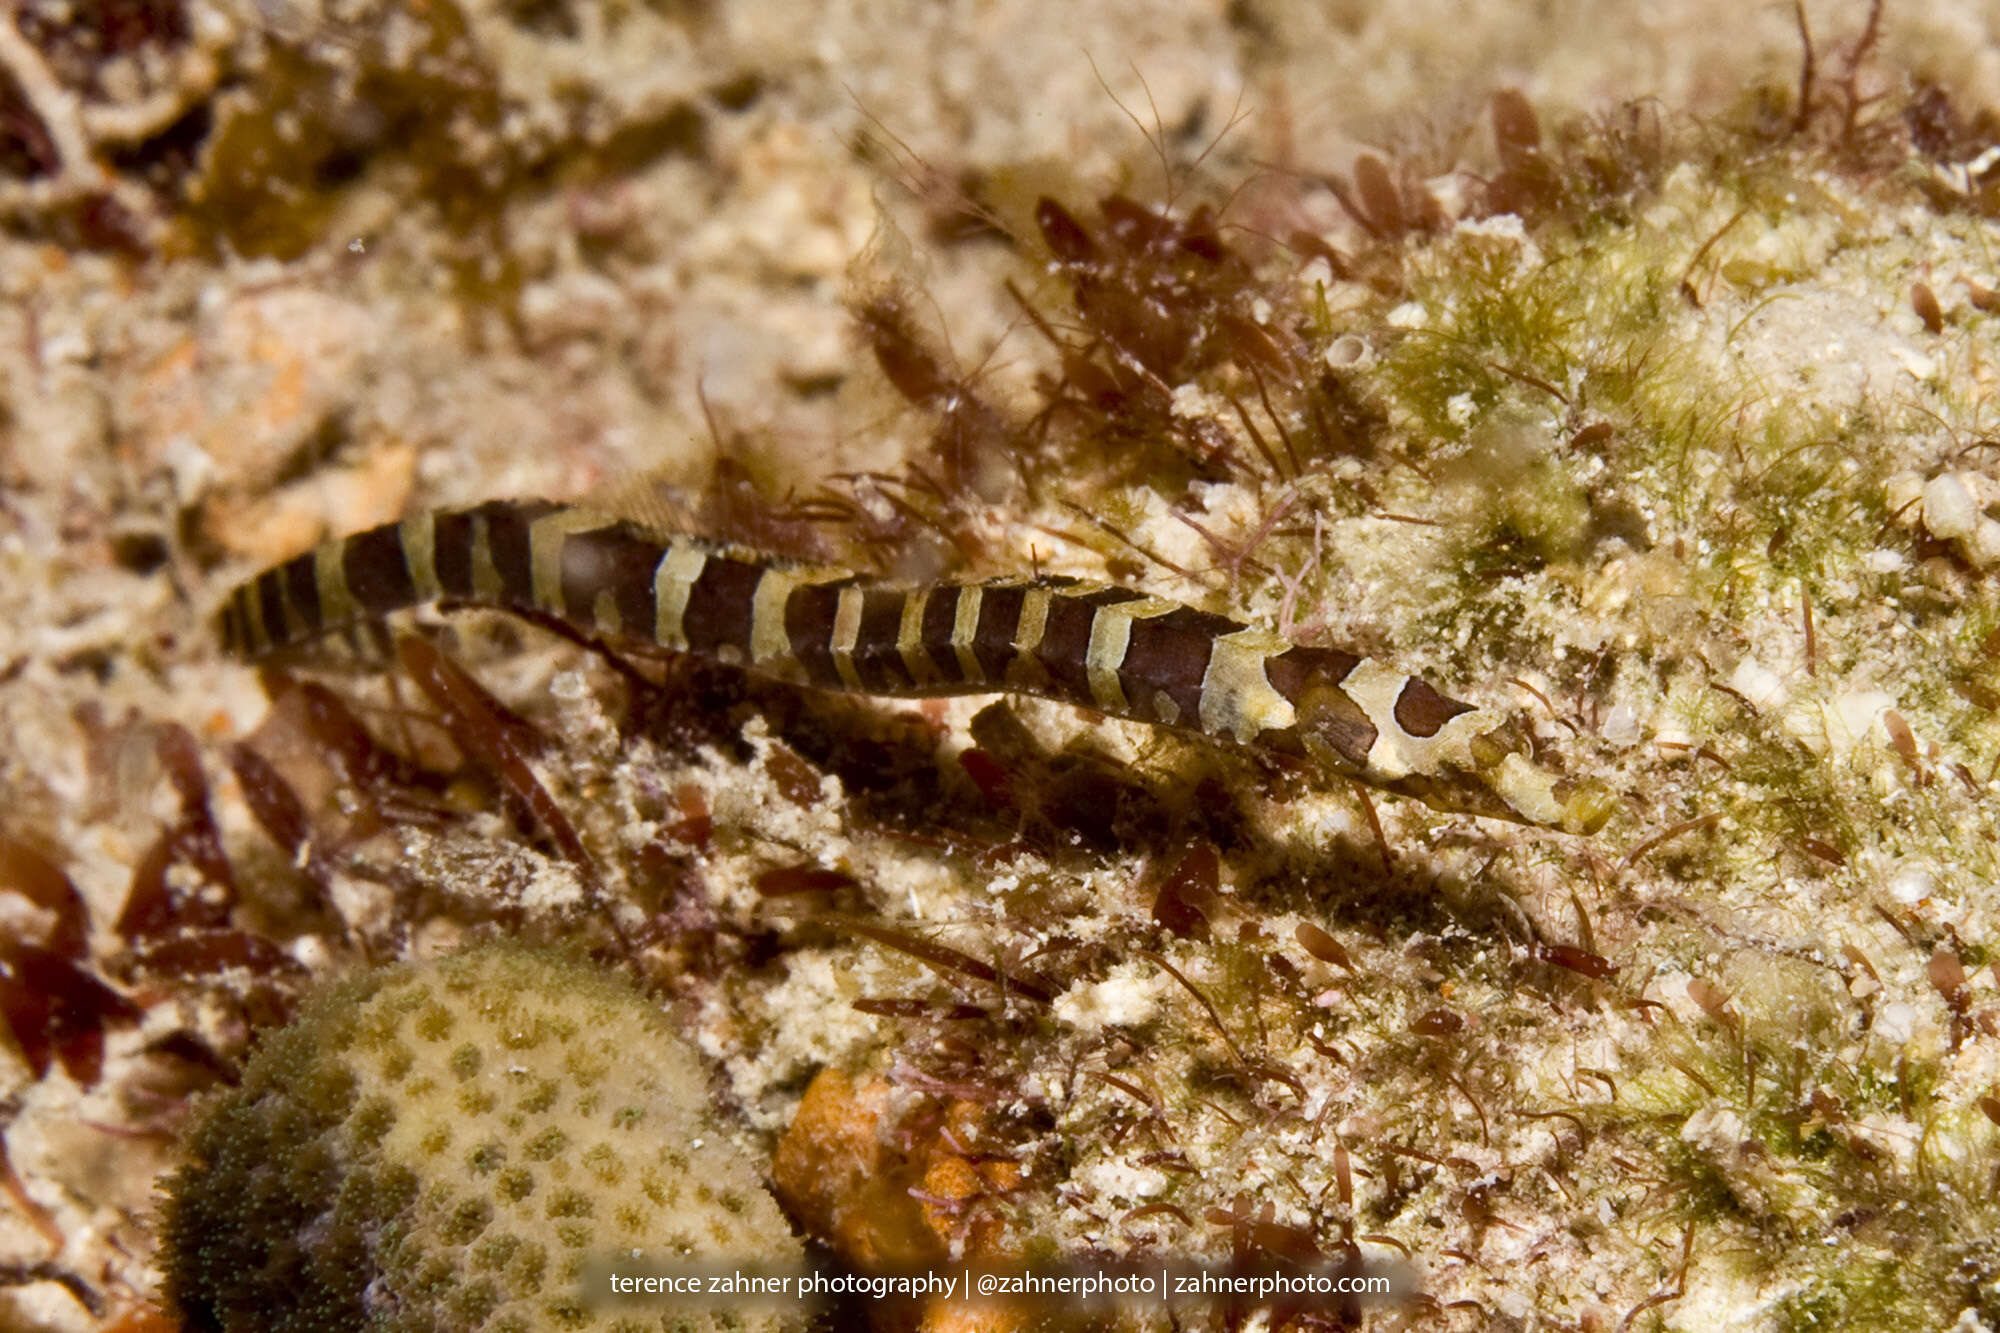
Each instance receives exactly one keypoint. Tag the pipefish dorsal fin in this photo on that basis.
(726, 515)
(647, 500)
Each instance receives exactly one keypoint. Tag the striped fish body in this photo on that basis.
(1107, 648)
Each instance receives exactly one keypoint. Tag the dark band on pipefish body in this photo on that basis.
(1108, 648)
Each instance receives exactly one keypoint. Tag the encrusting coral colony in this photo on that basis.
(428, 1146)
(1029, 838)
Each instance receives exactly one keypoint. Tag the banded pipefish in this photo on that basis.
(1108, 648)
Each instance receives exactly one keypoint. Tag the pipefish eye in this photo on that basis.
(1537, 796)
(1489, 749)
(1501, 757)
(1587, 805)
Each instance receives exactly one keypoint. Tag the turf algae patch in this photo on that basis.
(452, 1145)
(1704, 449)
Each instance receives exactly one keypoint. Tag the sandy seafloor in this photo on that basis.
(280, 270)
